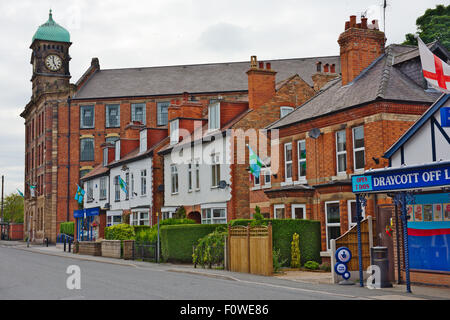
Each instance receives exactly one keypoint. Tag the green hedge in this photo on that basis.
(147, 233)
(67, 228)
(177, 240)
(121, 231)
(282, 232)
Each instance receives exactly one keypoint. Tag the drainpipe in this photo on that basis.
(69, 100)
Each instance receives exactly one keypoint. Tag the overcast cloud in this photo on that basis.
(171, 32)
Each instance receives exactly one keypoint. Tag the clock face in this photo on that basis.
(53, 62)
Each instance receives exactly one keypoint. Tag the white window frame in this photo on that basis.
(266, 173)
(174, 131)
(135, 219)
(132, 185)
(190, 177)
(117, 150)
(338, 153)
(257, 184)
(214, 123)
(143, 141)
(133, 111)
(116, 189)
(363, 149)
(105, 157)
(215, 168)
(174, 185)
(285, 110)
(300, 161)
(331, 224)
(294, 206)
(211, 219)
(286, 163)
(278, 206)
(103, 192)
(89, 191)
(197, 175)
(143, 182)
(349, 212)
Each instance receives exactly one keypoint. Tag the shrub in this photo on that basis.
(177, 240)
(67, 228)
(278, 262)
(120, 232)
(210, 249)
(150, 234)
(295, 251)
(312, 265)
(282, 232)
(325, 267)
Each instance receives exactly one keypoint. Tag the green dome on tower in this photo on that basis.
(52, 31)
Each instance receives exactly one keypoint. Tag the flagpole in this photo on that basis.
(3, 182)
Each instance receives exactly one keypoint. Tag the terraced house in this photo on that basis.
(345, 129)
(67, 123)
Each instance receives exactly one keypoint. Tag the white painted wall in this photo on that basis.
(134, 201)
(206, 194)
(96, 202)
(418, 149)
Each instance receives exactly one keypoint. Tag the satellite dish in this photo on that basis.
(314, 133)
(223, 184)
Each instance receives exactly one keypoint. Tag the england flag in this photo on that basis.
(436, 71)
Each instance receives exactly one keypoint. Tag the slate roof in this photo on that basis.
(380, 80)
(198, 78)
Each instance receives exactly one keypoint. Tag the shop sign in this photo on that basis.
(401, 179)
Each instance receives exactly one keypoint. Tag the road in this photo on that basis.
(30, 275)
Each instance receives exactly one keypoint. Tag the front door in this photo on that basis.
(385, 234)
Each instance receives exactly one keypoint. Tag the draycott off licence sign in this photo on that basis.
(420, 177)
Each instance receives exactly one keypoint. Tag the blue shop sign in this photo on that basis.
(86, 213)
(445, 117)
(400, 179)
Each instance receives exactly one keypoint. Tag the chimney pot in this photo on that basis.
(364, 23)
(352, 21)
(268, 66)
(325, 68)
(261, 65)
(319, 66)
(332, 68)
(253, 62)
(347, 25)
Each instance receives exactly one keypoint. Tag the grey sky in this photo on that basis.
(171, 32)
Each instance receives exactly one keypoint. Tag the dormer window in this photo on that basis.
(117, 155)
(214, 116)
(285, 111)
(143, 141)
(174, 131)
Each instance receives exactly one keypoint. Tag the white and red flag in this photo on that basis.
(436, 71)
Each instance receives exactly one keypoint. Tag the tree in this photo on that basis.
(434, 24)
(13, 208)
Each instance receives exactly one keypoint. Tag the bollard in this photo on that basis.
(46, 242)
(70, 244)
(64, 244)
(379, 257)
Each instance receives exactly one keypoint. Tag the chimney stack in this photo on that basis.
(261, 83)
(360, 44)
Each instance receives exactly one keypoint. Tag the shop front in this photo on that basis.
(88, 224)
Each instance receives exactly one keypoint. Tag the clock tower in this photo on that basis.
(46, 124)
(50, 58)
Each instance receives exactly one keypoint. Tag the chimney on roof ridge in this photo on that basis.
(360, 44)
(261, 83)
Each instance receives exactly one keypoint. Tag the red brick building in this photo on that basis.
(66, 124)
(345, 129)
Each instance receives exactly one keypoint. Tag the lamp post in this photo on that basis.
(157, 243)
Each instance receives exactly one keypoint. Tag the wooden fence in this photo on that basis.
(350, 240)
(249, 249)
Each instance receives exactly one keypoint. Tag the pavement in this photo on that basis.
(309, 281)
